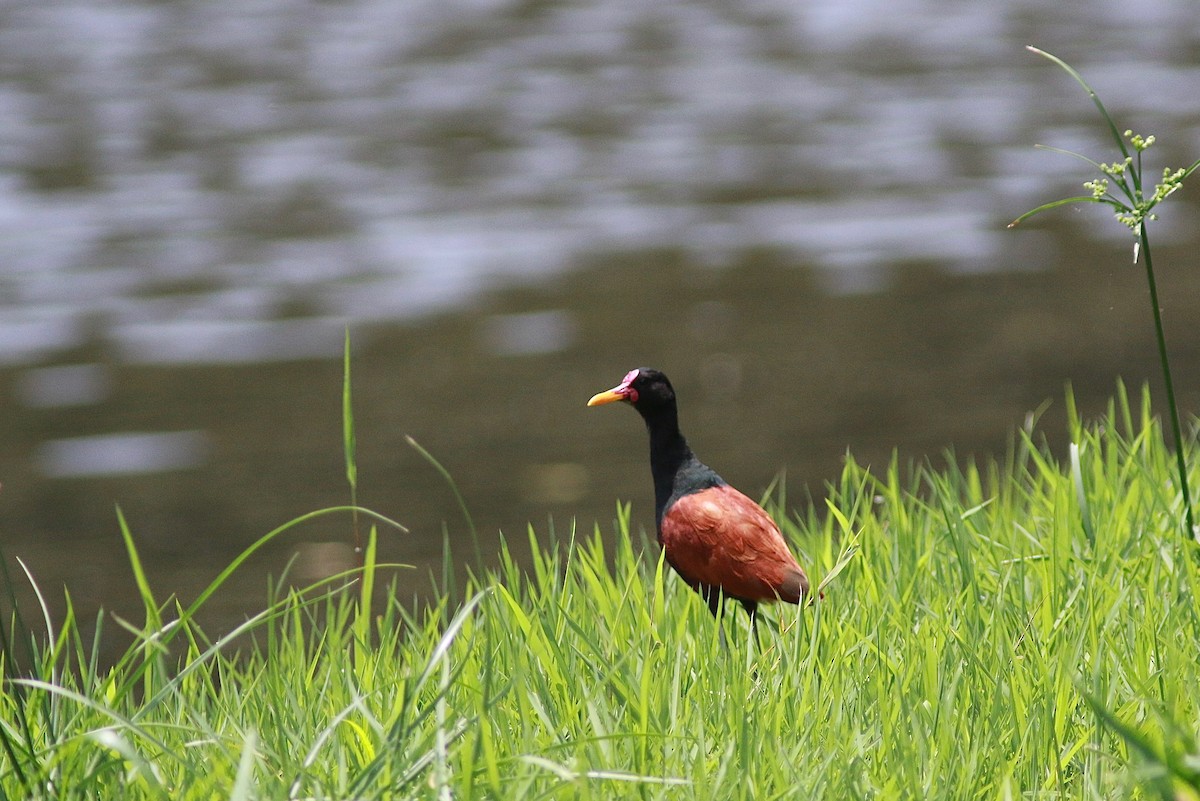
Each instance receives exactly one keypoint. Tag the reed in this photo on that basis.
(1122, 186)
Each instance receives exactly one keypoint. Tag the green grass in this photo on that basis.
(1022, 629)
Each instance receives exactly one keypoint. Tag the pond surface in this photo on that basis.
(796, 210)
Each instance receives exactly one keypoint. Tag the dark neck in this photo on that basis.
(675, 469)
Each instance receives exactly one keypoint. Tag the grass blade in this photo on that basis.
(243, 785)
(153, 616)
(1054, 204)
(1085, 512)
(462, 504)
(1112, 126)
(349, 442)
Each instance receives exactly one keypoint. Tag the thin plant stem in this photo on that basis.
(350, 446)
(1172, 408)
(1126, 175)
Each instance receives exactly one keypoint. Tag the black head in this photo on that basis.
(645, 388)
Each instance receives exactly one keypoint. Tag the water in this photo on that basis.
(797, 208)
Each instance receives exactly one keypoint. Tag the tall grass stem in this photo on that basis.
(349, 442)
(1134, 209)
(1172, 406)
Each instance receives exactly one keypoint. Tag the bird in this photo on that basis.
(719, 541)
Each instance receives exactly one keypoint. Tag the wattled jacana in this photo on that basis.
(722, 543)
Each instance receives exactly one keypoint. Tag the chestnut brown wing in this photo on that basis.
(718, 537)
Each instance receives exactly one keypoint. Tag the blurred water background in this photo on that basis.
(797, 210)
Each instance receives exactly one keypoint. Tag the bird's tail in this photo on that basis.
(794, 586)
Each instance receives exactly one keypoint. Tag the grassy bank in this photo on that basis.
(1024, 628)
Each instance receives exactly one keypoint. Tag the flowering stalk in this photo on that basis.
(1120, 187)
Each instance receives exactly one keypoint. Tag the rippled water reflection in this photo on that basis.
(372, 160)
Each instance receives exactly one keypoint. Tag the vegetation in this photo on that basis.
(1122, 187)
(1023, 628)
